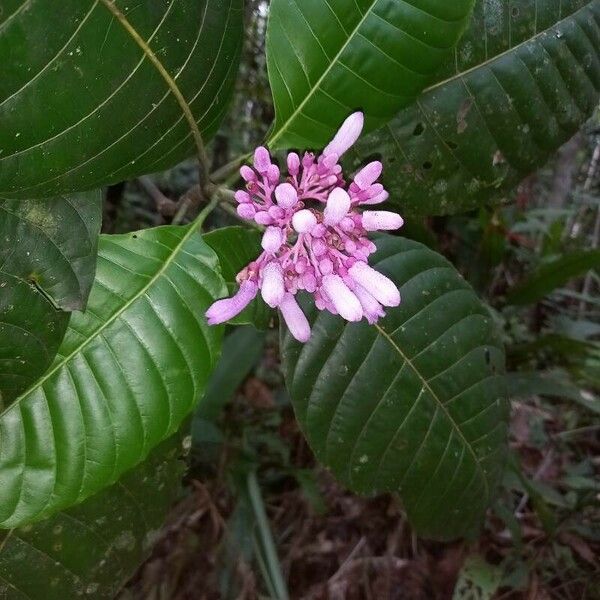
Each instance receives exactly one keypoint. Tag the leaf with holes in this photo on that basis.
(92, 549)
(236, 247)
(48, 259)
(328, 58)
(415, 404)
(129, 370)
(81, 105)
(525, 76)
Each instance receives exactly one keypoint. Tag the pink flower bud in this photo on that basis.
(338, 205)
(344, 301)
(294, 318)
(247, 174)
(372, 309)
(242, 197)
(286, 195)
(226, 309)
(272, 239)
(273, 173)
(303, 221)
(326, 266)
(263, 218)
(384, 290)
(262, 160)
(377, 220)
(347, 135)
(293, 164)
(376, 195)
(272, 288)
(368, 175)
(246, 211)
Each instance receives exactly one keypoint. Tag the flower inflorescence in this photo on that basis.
(315, 239)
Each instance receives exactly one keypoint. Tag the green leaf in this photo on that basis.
(550, 384)
(477, 580)
(415, 404)
(552, 275)
(81, 105)
(525, 76)
(328, 58)
(48, 260)
(130, 369)
(92, 549)
(236, 247)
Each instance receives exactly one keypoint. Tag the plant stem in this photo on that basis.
(268, 545)
(173, 87)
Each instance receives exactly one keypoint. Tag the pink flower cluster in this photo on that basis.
(315, 238)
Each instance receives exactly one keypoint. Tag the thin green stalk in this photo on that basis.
(271, 559)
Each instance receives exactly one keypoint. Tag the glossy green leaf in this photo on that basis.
(236, 247)
(328, 58)
(91, 550)
(525, 76)
(554, 274)
(80, 104)
(47, 264)
(415, 404)
(130, 369)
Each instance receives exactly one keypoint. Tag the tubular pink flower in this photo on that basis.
(348, 133)
(338, 205)
(368, 175)
(384, 290)
(293, 164)
(223, 310)
(381, 220)
(372, 309)
(272, 288)
(345, 302)
(272, 239)
(294, 318)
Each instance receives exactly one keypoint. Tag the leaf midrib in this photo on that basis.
(489, 61)
(39, 383)
(315, 87)
(426, 385)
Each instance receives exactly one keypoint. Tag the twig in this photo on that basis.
(173, 87)
(228, 169)
(164, 205)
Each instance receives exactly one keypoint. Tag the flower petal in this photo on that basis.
(372, 309)
(345, 302)
(294, 318)
(338, 205)
(378, 220)
(272, 288)
(348, 133)
(223, 310)
(384, 290)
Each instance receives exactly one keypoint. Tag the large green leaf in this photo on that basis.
(92, 549)
(81, 105)
(327, 58)
(236, 247)
(129, 370)
(526, 75)
(47, 264)
(416, 404)
(552, 275)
